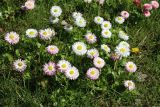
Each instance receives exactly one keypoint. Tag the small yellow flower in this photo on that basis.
(135, 50)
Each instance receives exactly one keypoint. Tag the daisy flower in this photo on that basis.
(125, 44)
(125, 14)
(115, 56)
(31, 33)
(122, 51)
(76, 15)
(123, 35)
(92, 53)
(119, 19)
(106, 25)
(19, 65)
(90, 37)
(88, 1)
(54, 20)
(79, 48)
(155, 4)
(98, 62)
(80, 22)
(63, 65)
(106, 33)
(72, 73)
(147, 13)
(129, 84)
(131, 67)
(56, 11)
(46, 34)
(52, 49)
(12, 38)
(98, 20)
(105, 48)
(29, 4)
(49, 68)
(93, 73)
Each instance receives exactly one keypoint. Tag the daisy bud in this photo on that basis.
(146, 13)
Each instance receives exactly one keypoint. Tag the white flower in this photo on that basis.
(131, 67)
(29, 5)
(123, 35)
(92, 53)
(52, 49)
(90, 37)
(56, 11)
(76, 15)
(54, 20)
(122, 51)
(106, 25)
(125, 44)
(68, 27)
(98, 20)
(12, 38)
(88, 1)
(98, 62)
(80, 22)
(120, 19)
(79, 48)
(63, 65)
(72, 73)
(105, 48)
(93, 73)
(31, 33)
(46, 34)
(19, 65)
(106, 33)
(129, 84)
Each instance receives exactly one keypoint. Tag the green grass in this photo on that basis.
(38, 90)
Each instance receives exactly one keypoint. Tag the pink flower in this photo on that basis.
(125, 14)
(12, 38)
(52, 49)
(146, 13)
(147, 6)
(93, 73)
(155, 4)
(49, 68)
(137, 2)
(30, 4)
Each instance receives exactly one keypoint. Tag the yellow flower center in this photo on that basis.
(129, 84)
(135, 50)
(31, 33)
(99, 62)
(123, 50)
(119, 18)
(64, 65)
(45, 33)
(106, 25)
(90, 37)
(52, 48)
(92, 72)
(106, 32)
(11, 36)
(71, 72)
(79, 47)
(92, 53)
(50, 67)
(55, 10)
(98, 19)
(130, 66)
(20, 64)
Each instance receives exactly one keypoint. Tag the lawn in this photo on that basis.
(34, 89)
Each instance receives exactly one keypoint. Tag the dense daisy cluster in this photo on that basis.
(86, 48)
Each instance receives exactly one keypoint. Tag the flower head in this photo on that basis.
(76, 15)
(31, 33)
(106, 25)
(119, 19)
(147, 7)
(123, 35)
(105, 48)
(12, 37)
(135, 50)
(79, 48)
(98, 62)
(155, 4)
(131, 67)
(147, 13)
(122, 51)
(19, 65)
(49, 68)
(90, 37)
(129, 84)
(72, 73)
(125, 14)
(63, 65)
(29, 4)
(125, 44)
(52, 49)
(92, 53)
(106, 33)
(46, 34)
(98, 20)
(115, 56)
(80, 22)
(54, 20)
(56, 11)
(93, 73)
